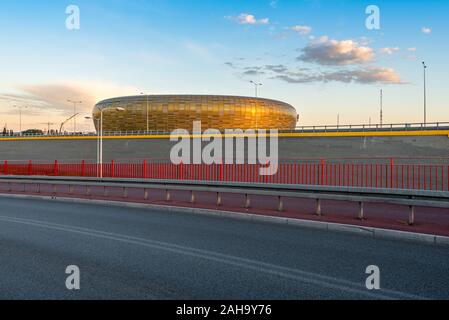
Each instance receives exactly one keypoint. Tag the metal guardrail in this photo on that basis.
(299, 129)
(411, 198)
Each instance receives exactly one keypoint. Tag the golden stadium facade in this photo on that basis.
(169, 112)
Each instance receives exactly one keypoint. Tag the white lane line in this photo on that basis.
(285, 272)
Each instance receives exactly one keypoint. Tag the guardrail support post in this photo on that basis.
(192, 197)
(38, 188)
(411, 215)
(247, 201)
(218, 199)
(280, 204)
(318, 207)
(145, 194)
(361, 211)
(125, 192)
(167, 195)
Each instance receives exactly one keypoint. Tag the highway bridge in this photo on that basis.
(132, 253)
(153, 239)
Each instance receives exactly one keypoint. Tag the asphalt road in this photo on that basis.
(127, 253)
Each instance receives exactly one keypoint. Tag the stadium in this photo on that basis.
(170, 112)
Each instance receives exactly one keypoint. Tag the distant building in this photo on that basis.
(169, 112)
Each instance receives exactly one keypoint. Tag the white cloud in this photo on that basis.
(302, 30)
(389, 51)
(274, 3)
(426, 30)
(369, 75)
(53, 97)
(376, 75)
(332, 52)
(412, 49)
(245, 18)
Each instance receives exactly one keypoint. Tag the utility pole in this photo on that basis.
(48, 126)
(20, 116)
(74, 112)
(381, 107)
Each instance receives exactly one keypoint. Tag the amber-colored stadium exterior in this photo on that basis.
(170, 112)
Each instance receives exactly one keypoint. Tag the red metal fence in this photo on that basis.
(386, 173)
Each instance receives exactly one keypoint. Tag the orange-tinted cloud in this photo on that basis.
(325, 51)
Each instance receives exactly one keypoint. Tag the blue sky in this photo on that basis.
(316, 55)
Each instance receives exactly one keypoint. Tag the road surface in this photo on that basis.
(125, 253)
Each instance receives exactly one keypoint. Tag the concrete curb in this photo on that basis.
(330, 226)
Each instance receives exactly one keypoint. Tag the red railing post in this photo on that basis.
(181, 171)
(55, 168)
(419, 177)
(83, 168)
(145, 169)
(266, 175)
(391, 173)
(322, 172)
(112, 169)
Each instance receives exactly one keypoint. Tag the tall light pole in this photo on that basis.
(381, 107)
(20, 116)
(74, 112)
(148, 127)
(256, 85)
(100, 139)
(98, 143)
(425, 93)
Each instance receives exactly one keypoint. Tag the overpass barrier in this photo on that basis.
(139, 190)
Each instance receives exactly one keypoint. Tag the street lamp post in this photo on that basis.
(74, 112)
(256, 85)
(100, 140)
(98, 143)
(148, 127)
(20, 117)
(425, 93)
